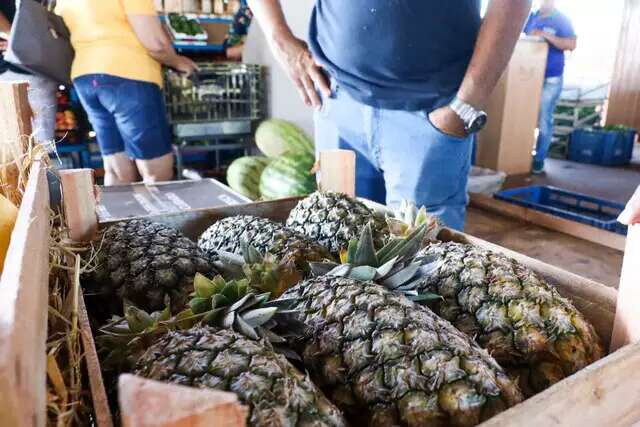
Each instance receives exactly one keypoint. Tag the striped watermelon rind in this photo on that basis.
(288, 176)
(243, 175)
(275, 137)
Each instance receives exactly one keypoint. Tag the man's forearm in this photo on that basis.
(562, 43)
(271, 18)
(498, 35)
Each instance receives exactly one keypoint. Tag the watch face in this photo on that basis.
(477, 124)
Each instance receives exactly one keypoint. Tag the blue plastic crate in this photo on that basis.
(601, 147)
(566, 204)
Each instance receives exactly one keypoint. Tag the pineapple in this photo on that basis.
(532, 331)
(276, 393)
(218, 303)
(388, 361)
(535, 334)
(333, 219)
(145, 263)
(265, 236)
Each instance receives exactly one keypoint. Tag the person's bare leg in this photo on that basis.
(119, 169)
(156, 170)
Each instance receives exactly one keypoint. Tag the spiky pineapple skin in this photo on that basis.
(277, 394)
(389, 361)
(333, 219)
(530, 329)
(264, 235)
(144, 262)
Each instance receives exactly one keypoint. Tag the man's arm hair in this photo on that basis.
(562, 43)
(271, 18)
(5, 25)
(498, 36)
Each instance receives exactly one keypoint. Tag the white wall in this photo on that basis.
(284, 102)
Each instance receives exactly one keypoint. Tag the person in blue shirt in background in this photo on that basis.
(402, 84)
(556, 29)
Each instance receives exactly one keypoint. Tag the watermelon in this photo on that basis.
(276, 137)
(287, 176)
(243, 175)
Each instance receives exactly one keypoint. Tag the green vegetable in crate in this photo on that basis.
(288, 176)
(244, 174)
(276, 137)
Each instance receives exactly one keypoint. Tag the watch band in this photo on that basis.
(465, 111)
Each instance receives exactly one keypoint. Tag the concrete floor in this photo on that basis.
(570, 253)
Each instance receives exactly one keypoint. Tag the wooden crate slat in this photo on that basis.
(23, 309)
(148, 403)
(15, 131)
(603, 394)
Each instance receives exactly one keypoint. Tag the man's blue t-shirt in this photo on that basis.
(559, 25)
(396, 54)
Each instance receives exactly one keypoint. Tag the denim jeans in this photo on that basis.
(127, 115)
(550, 95)
(399, 155)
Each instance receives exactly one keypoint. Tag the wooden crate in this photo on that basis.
(23, 309)
(605, 393)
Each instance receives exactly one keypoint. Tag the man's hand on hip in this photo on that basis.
(448, 122)
(306, 74)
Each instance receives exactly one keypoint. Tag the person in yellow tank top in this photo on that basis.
(120, 46)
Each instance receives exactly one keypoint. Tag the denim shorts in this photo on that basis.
(127, 115)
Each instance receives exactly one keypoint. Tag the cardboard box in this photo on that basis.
(506, 144)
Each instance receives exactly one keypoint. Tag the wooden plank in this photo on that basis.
(194, 223)
(15, 131)
(101, 409)
(623, 106)
(603, 394)
(552, 222)
(78, 194)
(626, 328)
(147, 403)
(338, 171)
(508, 140)
(23, 309)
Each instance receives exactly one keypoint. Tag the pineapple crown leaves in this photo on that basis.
(234, 305)
(264, 273)
(408, 218)
(124, 339)
(215, 302)
(397, 266)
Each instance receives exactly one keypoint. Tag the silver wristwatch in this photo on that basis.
(474, 120)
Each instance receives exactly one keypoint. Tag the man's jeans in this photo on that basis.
(550, 95)
(399, 155)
